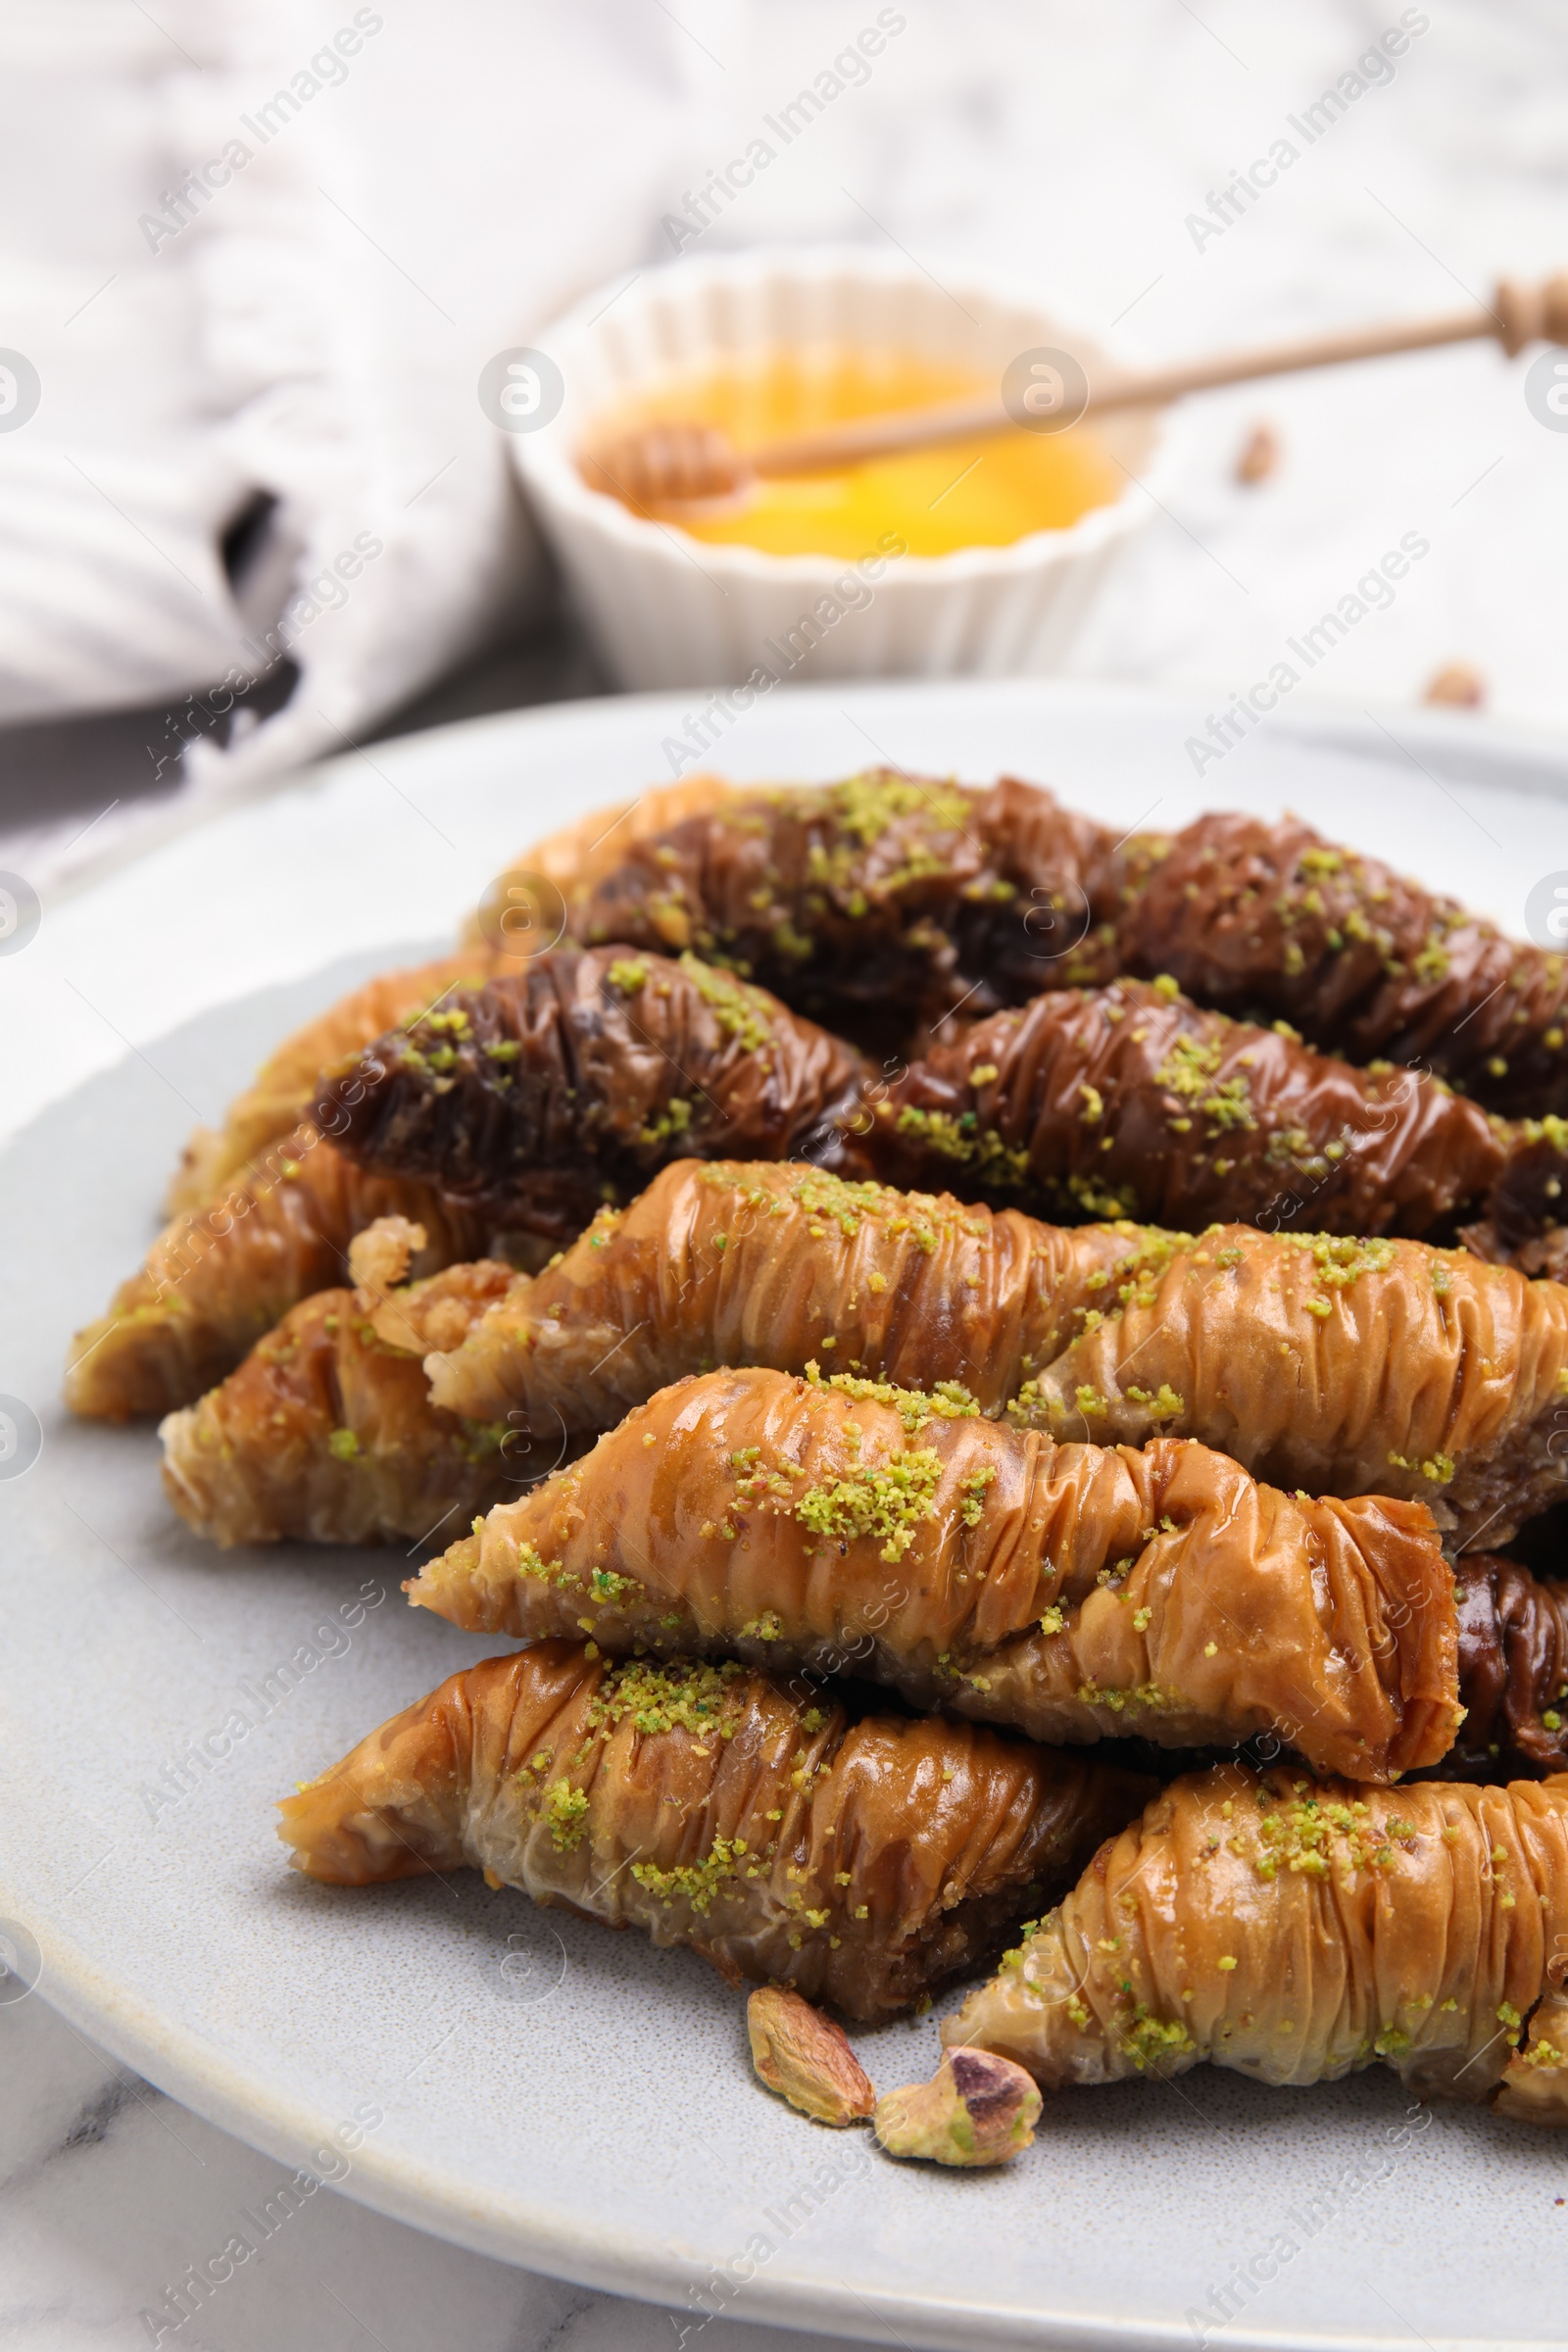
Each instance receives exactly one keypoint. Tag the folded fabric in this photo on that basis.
(253, 306)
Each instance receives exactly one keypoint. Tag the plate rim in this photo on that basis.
(1534, 758)
(657, 2271)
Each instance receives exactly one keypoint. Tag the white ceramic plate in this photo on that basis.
(539, 2090)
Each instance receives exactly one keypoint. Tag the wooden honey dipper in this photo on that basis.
(677, 464)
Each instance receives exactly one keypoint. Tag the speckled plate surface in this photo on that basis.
(525, 2083)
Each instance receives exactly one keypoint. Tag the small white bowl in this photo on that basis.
(666, 609)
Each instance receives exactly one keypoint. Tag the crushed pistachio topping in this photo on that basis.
(965, 1139)
(565, 1809)
(974, 1494)
(1307, 1836)
(603, 1584)
(1439, 1467)
(867, 804)
(1191, 1071)
(884, 1502)
(845, 1203)
(1341, 1259)
(674, 1119)
(1165, 1405)
(1147, 2040)
(1141, 1694)
(743, 1012)
(694, 1883)
(681, 1694)
(948, 1401)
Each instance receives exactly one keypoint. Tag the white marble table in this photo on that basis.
(996, 132)
(108, 2191)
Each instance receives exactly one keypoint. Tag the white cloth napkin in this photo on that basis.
(290, 235)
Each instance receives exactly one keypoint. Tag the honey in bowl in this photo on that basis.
(986, 492)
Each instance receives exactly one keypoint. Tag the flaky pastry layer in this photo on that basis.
(1298, 1930)
(217, 1279)
(326, 1433)
(1331, 1364)
(568, 1083)
(1074, 1591)
(862, 1862)
(278, 1098)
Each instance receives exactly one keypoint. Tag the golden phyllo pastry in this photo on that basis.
(1343, 1366)
(1337, 1365)
(556, 875)
(499, 937)
(326, 1431)
(1246, 915)
(500, 1119)
(862, 1862)
(572, 1079)
(1075, 1591)
(889, 894)
(217, 1278)
(754, 1262)
(1513, 1669)
(892, 891)
(1129, 1101)
(1296, 1930)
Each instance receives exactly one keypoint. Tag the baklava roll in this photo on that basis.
(1072, 1592)
(326, 1433)
(760, 1262)
(1246, 915)
(569, 1082)
(498, 937)
(217, 1279)
(1334, 1365)
(1525, 1211)
(1513, 1669)
(1298, 1930)
(1129, 1101)
(570, 863)
(892, 894)
(573, 1078)
(1339, 1365)
(497, 1122)
(905, 893)
(278, 1098)
(862, 1862)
